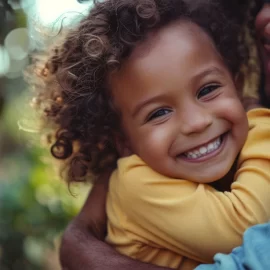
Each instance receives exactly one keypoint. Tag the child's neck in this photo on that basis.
(224, 184)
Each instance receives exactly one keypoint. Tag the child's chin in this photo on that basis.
(210, 178)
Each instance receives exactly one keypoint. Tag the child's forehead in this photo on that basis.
(164, 37)
(178, 38)
(181, 47)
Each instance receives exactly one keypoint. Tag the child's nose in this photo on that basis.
(195, 120)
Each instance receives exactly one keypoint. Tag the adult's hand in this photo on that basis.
(263, 32)
(83, 246)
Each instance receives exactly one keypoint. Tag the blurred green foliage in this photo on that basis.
(35, 205)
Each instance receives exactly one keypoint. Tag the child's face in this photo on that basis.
(180, 109)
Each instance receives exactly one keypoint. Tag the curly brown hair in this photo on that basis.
(71, 84)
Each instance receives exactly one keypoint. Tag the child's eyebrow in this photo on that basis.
(145, 102)
(206, 72)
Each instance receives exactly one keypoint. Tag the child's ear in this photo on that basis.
(122, 146)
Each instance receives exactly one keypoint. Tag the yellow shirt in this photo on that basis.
(178, 223)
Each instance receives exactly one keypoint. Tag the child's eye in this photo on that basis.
(158, 113)
(207, 90)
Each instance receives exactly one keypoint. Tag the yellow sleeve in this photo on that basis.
(195, 220)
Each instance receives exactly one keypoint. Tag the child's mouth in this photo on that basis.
(204, 150)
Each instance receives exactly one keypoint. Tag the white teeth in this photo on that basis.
(210, 147)
(202, 151)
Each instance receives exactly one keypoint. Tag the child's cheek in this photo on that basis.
(154, 140)
(229, 108)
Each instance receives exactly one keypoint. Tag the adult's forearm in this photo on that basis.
(81, 250)
(83, 246)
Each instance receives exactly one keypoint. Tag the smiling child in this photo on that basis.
(150, 88)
